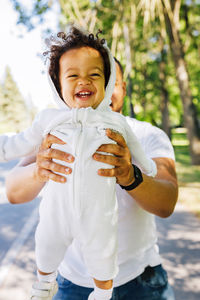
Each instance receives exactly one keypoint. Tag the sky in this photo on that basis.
(21, 54)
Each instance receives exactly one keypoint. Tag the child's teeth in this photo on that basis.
(84, 94)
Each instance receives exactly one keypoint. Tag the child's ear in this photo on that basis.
(124, 88)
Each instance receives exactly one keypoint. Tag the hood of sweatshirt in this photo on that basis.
(105, 103)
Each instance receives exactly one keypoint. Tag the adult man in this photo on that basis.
(140, 274)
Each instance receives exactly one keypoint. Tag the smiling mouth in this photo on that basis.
(84, 94)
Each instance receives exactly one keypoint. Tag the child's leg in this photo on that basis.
(47, 260)
(53, 235)
(46, 286)
(105, 285)
(46, 277)
(98, 236)
(51, 245)
(102, 291)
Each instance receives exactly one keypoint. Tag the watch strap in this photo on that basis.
(138, 179)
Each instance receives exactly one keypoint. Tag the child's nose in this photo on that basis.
(84, 81)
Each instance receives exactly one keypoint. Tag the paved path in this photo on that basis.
(179, 241)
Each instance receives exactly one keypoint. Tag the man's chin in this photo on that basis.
(111, 106)
(115, 109)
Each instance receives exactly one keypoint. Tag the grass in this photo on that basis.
(188, 175)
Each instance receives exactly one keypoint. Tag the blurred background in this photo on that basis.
(158, 44)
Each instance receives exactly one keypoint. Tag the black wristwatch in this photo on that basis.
(138, 179)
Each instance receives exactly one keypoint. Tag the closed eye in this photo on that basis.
(95, 74)
(73, 75)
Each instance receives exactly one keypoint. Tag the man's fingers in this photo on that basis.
(113, 149)
(109, 159)
(116, 136)
(114, 172)
(52, 166)
(56, 154)
(49, 140)
(46, 166)
(45, 175)
(107, 172)
(120, 158)
(57, 178)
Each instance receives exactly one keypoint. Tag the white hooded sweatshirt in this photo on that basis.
(85, 207)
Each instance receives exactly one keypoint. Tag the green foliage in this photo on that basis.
(126, 107)
(186, 172)
(144, 42)
(136, 32)
(190, 35)
(14, 115)
(26, 16)
(188, 175)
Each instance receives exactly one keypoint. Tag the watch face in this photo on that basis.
(138, 174)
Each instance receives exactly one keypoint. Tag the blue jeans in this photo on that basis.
(152, 284)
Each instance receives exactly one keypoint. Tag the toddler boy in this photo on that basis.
(82, 77)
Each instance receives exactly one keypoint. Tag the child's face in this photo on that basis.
(82, 77)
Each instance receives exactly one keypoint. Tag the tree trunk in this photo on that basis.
(164, 92)
(129, 94)
(190, 113)
(164, 102)
(128, 66)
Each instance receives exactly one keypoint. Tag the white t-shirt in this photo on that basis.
(136, 227)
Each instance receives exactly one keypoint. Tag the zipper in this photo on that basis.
(78, 169)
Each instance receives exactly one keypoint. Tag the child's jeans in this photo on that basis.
(152, 284)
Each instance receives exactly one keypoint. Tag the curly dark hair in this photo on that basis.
(73, 40)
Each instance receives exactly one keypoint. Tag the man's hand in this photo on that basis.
(45, 166)
(121, 159)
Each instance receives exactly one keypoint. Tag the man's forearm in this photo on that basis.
(158, 195)
(21, 185)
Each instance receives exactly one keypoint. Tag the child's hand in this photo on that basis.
(45, 167)
(123, 169)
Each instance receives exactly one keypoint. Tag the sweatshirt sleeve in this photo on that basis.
(23, 143)
(146, 164)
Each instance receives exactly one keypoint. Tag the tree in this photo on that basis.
(14, 114)
(171, 12)
(190, 114)
(28, 17)
(164, 92)
(131, 29)
(1, 111)
(108, 15)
